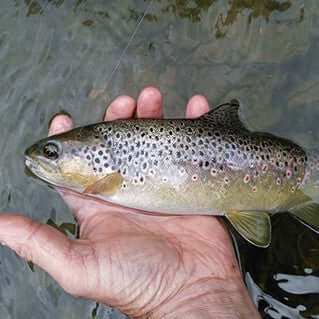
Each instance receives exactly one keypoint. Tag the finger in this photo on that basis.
(60, 123)
(197, 106)
(44, 246)
(149, 104)
(122, 107)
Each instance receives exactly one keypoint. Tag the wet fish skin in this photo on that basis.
(211, 165)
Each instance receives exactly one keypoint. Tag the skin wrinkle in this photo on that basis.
(158, 292)
(135, 300)
(94, 259)
(209, 243)
(182, 247)
(188, 299)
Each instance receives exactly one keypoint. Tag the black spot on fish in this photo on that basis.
(97, 160)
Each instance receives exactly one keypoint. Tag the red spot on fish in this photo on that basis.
(246, 179)
(288, 173)
(281, 165)
(264, 168)
(293, 189)
(164, 179)
(195, 160)
(254, 188)
(213, 171)
(278, 155)
(298, 180)
(194, 177)
(226, 180)
(278, 181)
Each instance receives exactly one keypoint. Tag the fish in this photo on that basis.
(211, 165)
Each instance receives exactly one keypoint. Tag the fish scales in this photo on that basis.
(210, 165)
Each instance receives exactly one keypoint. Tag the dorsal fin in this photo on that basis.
(225, 115)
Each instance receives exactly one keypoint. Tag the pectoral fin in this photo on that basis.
(307, 212)
(107, 185)
(255, 227)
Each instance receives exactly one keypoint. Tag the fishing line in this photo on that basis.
(128, 43)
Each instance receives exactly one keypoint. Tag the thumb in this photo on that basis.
(48, 248)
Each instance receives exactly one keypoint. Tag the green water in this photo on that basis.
(55, 55)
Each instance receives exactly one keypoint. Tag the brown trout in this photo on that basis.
(212, 165)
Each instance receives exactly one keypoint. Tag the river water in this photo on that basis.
(59, 56)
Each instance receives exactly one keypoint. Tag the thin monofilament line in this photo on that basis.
(128, 44)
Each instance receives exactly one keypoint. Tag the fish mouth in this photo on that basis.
(40, 168)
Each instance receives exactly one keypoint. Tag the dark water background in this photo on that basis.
(57, 55)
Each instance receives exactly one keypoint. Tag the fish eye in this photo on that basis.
(51, 150)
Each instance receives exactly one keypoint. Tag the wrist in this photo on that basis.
(209, 299)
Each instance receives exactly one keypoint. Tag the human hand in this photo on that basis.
(146, 266)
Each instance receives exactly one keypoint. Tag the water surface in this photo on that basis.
(59, 56)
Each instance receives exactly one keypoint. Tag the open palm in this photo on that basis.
(147, 266)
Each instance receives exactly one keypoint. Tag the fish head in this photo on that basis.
(61, 160)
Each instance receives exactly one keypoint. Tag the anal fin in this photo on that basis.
(254, 226)
(307, 212)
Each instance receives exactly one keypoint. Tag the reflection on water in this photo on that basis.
(283, 279)
(58, 55)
